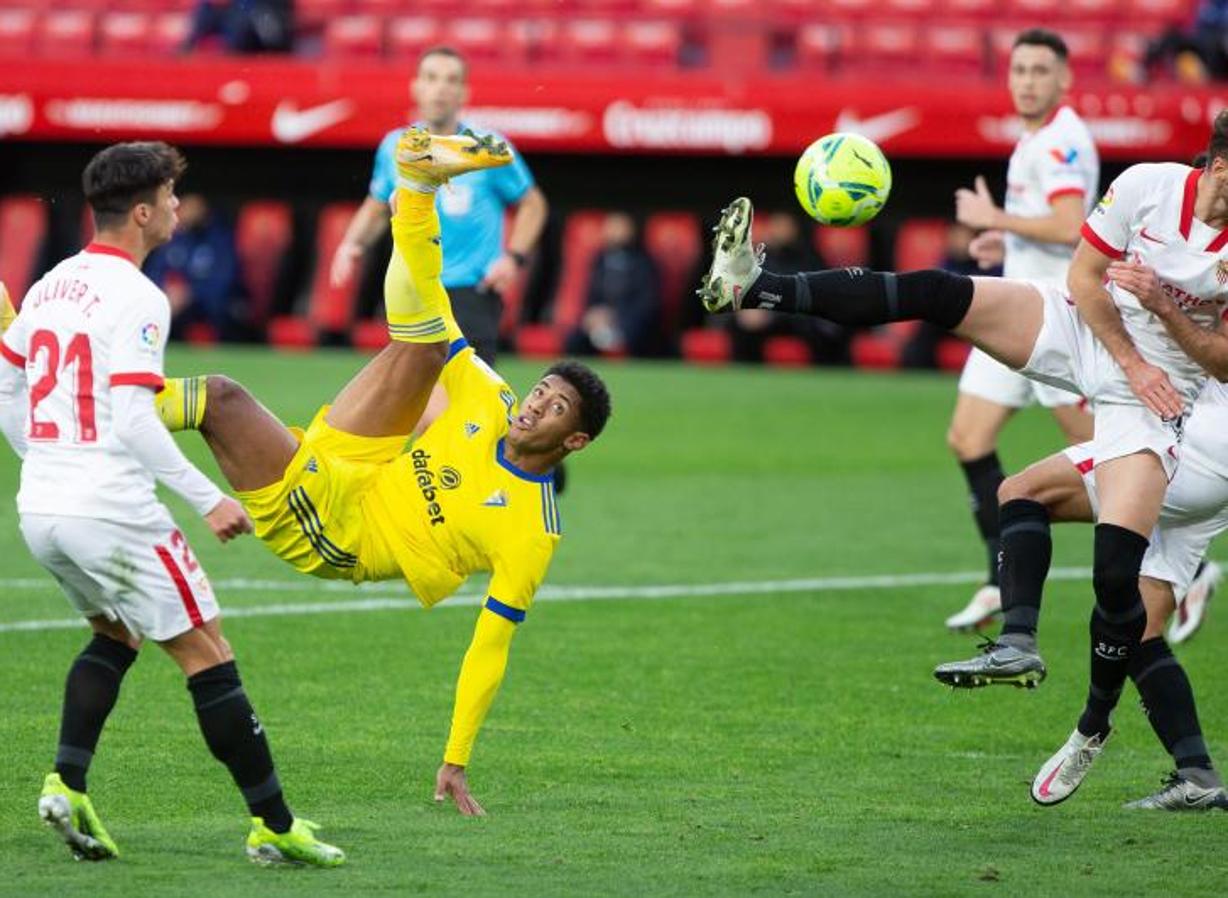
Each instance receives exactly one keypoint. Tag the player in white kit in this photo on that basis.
(1195, 511)
(82, 362)
(1136, 332)
(1052, 181)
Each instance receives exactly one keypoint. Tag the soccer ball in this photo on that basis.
(842, 179)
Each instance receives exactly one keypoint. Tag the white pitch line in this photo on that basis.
(546, 594)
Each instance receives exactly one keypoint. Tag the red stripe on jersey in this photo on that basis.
(181, 584)
(1187, 201)
(11, 356)
(1065, 191)
(1086, 465)
(138, 379)
(1219, 242)
(1099, 242)
(104, 249)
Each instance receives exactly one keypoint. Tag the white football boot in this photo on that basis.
(1064, 772)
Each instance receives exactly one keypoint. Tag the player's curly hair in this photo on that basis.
(594, 397)
(125, 174)
(1217, 148)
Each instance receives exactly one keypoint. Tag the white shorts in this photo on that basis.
(145, 577)
(1068, 355)
(986, 377)
(1195, 512)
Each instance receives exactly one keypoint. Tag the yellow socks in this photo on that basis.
(181, 403)
(417, 305)
(7, 312)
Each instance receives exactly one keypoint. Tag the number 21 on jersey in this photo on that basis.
(70, 366)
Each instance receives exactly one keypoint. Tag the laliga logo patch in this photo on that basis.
(149, 336)
(449, 477)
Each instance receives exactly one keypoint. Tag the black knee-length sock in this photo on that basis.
(90, 693)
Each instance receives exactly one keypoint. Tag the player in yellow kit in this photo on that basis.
(348, 499)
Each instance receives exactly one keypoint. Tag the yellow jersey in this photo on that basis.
(453, 505)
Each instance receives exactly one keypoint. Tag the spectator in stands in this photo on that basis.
(244, 26)
(623, 309)
(788, 252)
(1198, 53)
(922, 349)
(199, 270)
(478, 264)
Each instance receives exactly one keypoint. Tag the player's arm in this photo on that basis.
(14, 400)
(514, 184)
(1207, 346)
(1086, 279)
(143, 434)
(976, 209)
(368, 223)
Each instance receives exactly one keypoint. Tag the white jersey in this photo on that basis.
(1147, 216)
(1058, 159)
(1205, 440)
(91, 323)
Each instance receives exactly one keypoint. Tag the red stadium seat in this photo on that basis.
(200, 333)
(410, 35)
(843, 247)
(124, 34)
(23, 227)
(170, 31)
(889, 44)
(921, 243)
(796, 10)
(952, 353)
(882, 347)
(262, 235)
(17, 32)
(914, 9)
(67, 33)
(706, 346)
(1038, 11)
(480, 39)
(846, 9)
(971, 9)
(581, 241)
(385, 8)
(317, 13)
(819, 45)
(354, 37)
(370, 335)
(591, 41)
(331, 309)
(786, 352)
(670, 8)
(652, 43)
(534, 40)
(539, 341)
(1105, 12)
(956, 48)
(674, 241)
(291, 332)
(513, 296)
(1155, 14)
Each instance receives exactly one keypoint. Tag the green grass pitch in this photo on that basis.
(775, 742)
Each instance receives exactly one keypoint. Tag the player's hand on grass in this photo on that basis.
(988, 249)
(976, 208)
(1141, 281)
(450, 781)
(1152, 386)
(228, 520)
(345, 263)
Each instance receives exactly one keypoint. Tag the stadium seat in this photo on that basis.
(786, 352)
(370, 335)
(796, 10)
(842, 247)
(354, 37)
(983, 10)
(382, 9)
(675, 9)
(581, 241)
(819, 45)
(538, 341)
(891, 44)
(591, 41)
(910, 9)
(952, 353)
(849, 9)
(534, 40)
(263, 232)
(881, 347)
(956, 48)
(23, 227)
(652, 43)
(66, 33)
(1155, 14)
(674, 241)
(170, 31)
(706, 346)
(480, 39)
(17, 32)
(1103, 12)
(920, 243)
(513, 296)
(309, 14)
(124, 34)
(408, 36)
(1035, 10)
(200, 333)
(291, 332)
(330, 310)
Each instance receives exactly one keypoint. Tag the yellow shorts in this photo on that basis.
(313, 517)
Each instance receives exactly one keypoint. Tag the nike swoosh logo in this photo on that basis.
(1143, 233)
(1043, 791)
(291, 124)
(879, 127)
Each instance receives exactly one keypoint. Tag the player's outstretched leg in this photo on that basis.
(90, 693)
(236, 737)
(390, 394)
(1192, 611)
(1001, 317)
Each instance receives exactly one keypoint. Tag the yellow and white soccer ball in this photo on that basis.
(842, 180)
